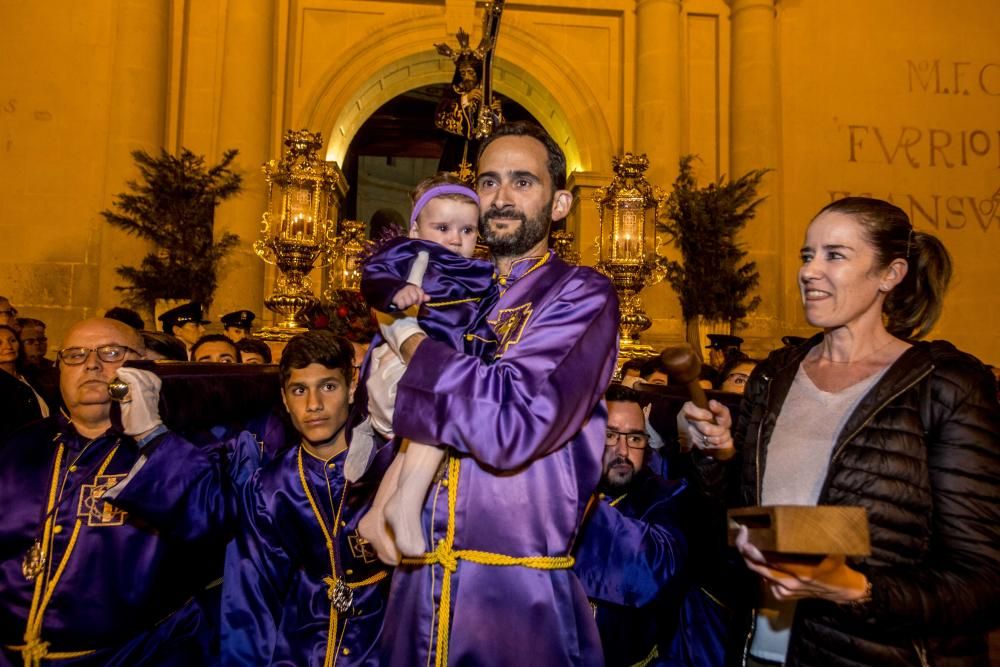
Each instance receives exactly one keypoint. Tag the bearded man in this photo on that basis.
(523, 433)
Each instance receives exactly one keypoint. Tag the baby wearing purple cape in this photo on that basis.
(453, 295)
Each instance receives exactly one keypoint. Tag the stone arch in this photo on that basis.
(354, 89)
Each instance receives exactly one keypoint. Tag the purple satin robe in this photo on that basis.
(275, 609)
(127, 587)
(529, 428)
(631, 559)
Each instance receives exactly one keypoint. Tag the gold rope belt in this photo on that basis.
(334, 586)
(447, 557)
(36, 650)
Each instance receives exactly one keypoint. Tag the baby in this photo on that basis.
(453, 297)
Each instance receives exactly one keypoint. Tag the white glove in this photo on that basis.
(386, 369)
(360, 452)
(397, 327)
(631, 381)
(655, 440)
(140, 408)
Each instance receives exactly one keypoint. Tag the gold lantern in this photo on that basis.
(297, 227)
(629, 208)
(345, 259)
(562, 241)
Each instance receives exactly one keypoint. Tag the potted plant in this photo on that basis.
(712, 279)
(173, 206)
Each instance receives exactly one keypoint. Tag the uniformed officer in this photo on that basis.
(237, 324)
(721, 348)
(185, 322)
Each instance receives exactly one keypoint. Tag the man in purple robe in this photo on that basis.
(98, 582)
(632, 555)
(301, 587)
(525, 436)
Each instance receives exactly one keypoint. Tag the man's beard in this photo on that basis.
(528, 234)
(618, 479)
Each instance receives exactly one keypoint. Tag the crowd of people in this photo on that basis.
(474, 489)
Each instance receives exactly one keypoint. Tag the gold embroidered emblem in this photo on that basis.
(361, 548)
(509, 325)
(93, 509)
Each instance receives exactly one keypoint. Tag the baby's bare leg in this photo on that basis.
(404, 508)
(373, 526)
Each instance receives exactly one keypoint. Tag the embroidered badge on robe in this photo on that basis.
(509, 325)
(361, 548)
(95, 510)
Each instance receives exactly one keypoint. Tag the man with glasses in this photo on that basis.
(632, 553)
(84, 578)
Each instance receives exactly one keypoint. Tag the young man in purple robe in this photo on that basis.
(301, 587)
(99, 582)
(524, 434)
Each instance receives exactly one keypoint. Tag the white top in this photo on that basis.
(798, 457)
(42, 405)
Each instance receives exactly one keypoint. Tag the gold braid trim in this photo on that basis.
(333, 580)
(617, 500)
(447, 557)
(34, 650)
(374, 579)
(443, 304)
(331, 636)
(655, 653)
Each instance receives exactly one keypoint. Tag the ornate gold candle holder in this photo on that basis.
(344, 259)
(628, 245)
(297, 228)
(562, 241)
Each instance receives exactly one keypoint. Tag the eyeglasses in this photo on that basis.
(111, 354)
(632, 440)
(35, 341)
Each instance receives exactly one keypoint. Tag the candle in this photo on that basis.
(630, 229)
(297, 227)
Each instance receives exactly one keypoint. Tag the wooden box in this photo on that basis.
(801, 529)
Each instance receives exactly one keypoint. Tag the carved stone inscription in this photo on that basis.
(912, 146)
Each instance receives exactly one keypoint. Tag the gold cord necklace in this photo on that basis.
(342, 596)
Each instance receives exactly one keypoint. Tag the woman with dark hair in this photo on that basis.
(865, 415)
(735, 372)
(20, 404)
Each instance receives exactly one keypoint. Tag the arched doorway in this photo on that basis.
(398, 146)
(341, 101)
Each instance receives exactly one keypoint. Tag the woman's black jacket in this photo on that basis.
(921, 453)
